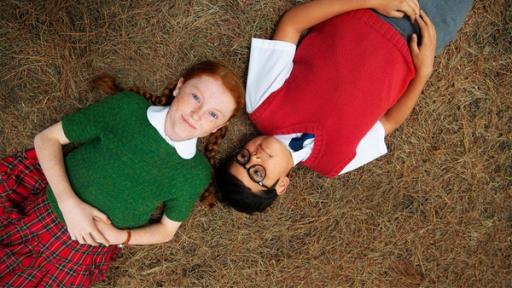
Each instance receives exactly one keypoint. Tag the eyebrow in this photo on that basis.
(199, 90)
(203, 96)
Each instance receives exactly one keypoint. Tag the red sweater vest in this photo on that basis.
(348, 71)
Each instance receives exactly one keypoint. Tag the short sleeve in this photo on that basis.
(371, 147)
(86, 124)
(270, 64)
(180, 206)
(178, 210)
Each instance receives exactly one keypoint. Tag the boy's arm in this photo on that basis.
(78, 215)
(304, 16)
(423, 58)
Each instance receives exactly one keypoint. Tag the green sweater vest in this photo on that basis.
(125, 168)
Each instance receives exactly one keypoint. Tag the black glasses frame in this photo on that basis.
(252, 167)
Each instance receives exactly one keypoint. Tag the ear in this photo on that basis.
(282, 184)
(178, 86)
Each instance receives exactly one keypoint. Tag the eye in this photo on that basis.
(257, 172)
(214, 115)
(243, 157)
(195, 97)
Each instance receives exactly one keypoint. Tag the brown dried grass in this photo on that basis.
(435, 212)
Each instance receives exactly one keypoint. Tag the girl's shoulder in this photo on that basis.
(125, 102)
(127, 97)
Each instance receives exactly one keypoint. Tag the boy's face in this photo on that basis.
(273, 156)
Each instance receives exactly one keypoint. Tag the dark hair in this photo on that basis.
(233, 192)
(230, 80)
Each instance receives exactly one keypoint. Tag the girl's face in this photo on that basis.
(201, 106)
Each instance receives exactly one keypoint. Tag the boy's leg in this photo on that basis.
(447, 16)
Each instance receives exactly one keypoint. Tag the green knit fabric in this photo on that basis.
(125, 168)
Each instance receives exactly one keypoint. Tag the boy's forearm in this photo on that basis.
(395, 116)
(304, 16)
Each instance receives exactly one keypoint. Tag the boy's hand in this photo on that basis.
(398, 8)
(79, 217)
(423, 56)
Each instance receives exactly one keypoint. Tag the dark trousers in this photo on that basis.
(447, 16)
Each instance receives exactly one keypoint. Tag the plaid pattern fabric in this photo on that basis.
(35, 247)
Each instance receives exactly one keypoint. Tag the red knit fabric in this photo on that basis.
(348, 71)
(35, 247)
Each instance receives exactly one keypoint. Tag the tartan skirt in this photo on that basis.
(35, 247)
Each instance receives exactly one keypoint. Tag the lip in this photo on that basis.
(187, 122)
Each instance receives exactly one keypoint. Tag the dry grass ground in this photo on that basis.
(435, 212)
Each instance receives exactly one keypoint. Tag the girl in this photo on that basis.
(50, 234)
(329, 105)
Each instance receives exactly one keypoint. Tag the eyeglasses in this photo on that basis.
(256, 172)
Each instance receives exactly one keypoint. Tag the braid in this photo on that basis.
(108, 85)
(164, 99)
(211, 150)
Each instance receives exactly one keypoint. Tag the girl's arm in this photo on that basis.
(78, 215)
(151, 234)
(304, 16)
(423, 58)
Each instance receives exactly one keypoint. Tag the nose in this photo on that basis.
(256, 154)
(195, 114)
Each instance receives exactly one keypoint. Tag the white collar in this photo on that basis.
(297, 156)
(156, 116)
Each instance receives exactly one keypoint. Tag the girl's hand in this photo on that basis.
(114, 235)
(80, 220)
(423, 56)
(398, 8)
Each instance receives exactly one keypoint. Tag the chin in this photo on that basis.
(177, 136)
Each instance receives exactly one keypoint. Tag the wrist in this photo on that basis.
(378, 5)
(126, 236)
(372, 4)
(422, 76)
(69, 201)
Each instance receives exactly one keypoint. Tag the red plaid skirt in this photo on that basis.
(35, 247)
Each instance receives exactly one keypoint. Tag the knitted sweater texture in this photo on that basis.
(123, 166)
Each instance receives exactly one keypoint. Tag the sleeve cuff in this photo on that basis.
(273, 44)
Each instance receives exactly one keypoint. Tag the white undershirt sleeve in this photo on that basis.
(371, 147)
(270, 64)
